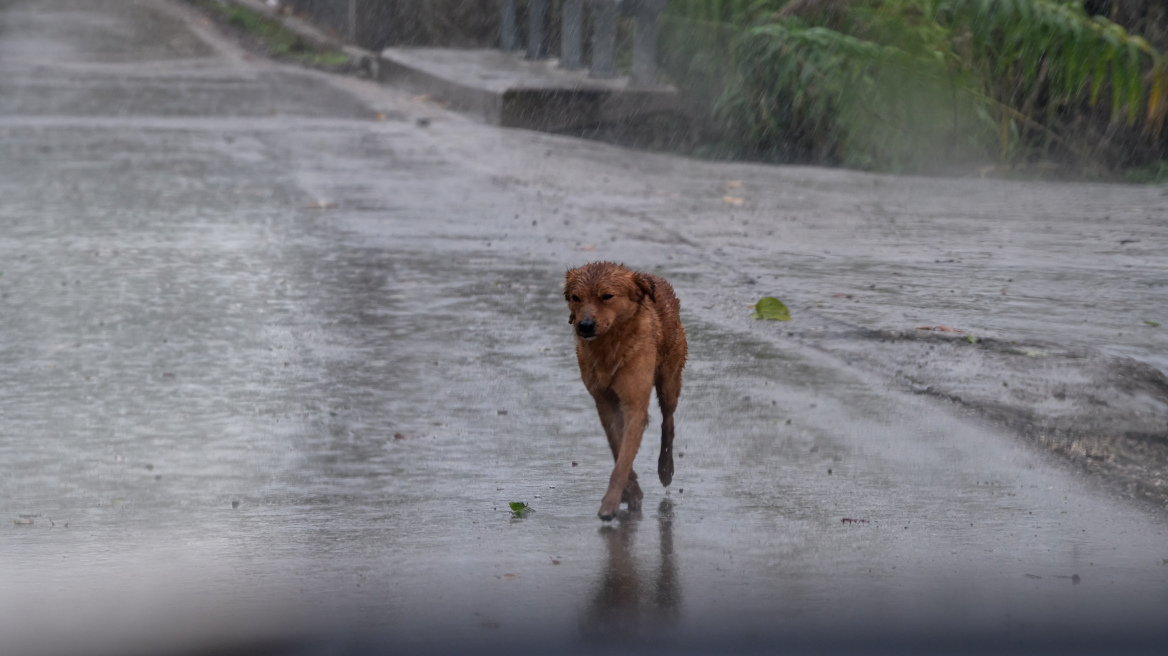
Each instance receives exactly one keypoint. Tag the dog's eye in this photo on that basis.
(575, 298)
(606, 297)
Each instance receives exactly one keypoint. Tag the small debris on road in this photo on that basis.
(772, 308)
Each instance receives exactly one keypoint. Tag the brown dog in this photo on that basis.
(629, 339)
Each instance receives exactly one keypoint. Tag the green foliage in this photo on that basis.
(1024, 47)
(1154, 173)
(810, 93)
(695, 49)
(917, 85)
(520, 508)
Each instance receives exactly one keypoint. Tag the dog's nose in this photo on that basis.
(586, 328)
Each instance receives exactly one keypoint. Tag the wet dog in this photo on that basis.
(629, 339)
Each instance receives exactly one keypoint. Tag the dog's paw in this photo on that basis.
(665, 469)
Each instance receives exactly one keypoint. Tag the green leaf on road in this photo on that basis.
(1154, 324)
(971, 339)
(770, 308)
(520, 508)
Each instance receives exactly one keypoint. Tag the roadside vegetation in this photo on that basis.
(1000, 87)
(270, 36)
(1015, 88)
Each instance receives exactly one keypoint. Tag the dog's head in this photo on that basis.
(603, 294)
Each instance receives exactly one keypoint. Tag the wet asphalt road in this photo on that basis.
(274, 357)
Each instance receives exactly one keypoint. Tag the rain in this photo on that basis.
(285, 362)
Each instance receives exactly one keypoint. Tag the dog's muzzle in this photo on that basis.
(586, 328)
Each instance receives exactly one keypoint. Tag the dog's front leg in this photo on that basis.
(608, 406)
(634, 411)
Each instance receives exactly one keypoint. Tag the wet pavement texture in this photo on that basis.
(277, 348)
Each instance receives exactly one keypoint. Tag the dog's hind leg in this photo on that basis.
(668, 392)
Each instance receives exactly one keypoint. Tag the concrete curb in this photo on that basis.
(505, 89)
(362, 59)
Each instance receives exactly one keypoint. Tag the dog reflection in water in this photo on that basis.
(625, 605)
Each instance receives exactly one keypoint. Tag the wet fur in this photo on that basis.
(638, 344)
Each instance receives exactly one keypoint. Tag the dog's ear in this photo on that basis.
(645, 286)
(569, 281)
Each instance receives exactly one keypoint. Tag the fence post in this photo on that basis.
(645, 42)
(536, 19)
(351, 21)
(507, 35)
(603, 38)
(572, 35)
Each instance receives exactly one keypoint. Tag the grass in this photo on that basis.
(276, 40)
